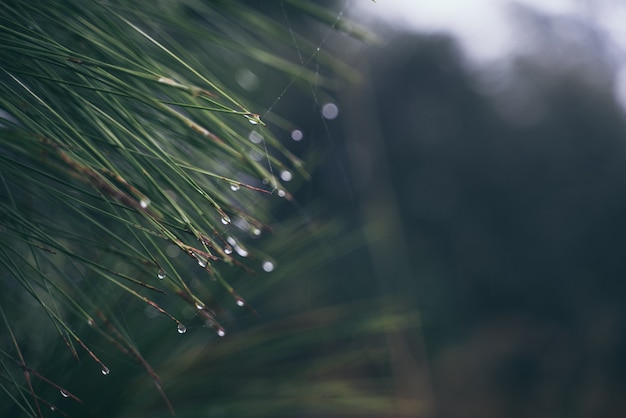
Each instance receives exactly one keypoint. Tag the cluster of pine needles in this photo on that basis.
(127, 176)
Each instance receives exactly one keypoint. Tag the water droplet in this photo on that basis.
(241, 251)
(105, 370)
(221, 332)
(253, 118)
(161, 274)
(228, 250)
(225, 220)
(64, 394)
(52, 408)
(330, 111)
(297, 135)
(281, 193)
(268, 266)
(181, 328)
(240, 301)
(231, 241)
(255, 137)
(256, 231)
(202, 262)
(91, 322)
(144, 203)
(199, 306)
(234, 187)
(286, 175)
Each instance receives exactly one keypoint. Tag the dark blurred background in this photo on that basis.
(492, 198)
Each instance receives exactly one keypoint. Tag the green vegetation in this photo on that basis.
(134, 207)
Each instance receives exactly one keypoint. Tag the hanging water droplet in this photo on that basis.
(181, 328)
(221, 332)
(228, 250)
(256, 231)
(268, 266)
(105, 370)
(286, 175)
(199, 306)
(231, 241)
(91, 322)
(64, 394)
(202, 262)
(281, 193)
(144, 203)
(241, 251)
(297, 135)
(254, 118)
(225, 220)
(234, 187)
(161, 274)
(239, 301)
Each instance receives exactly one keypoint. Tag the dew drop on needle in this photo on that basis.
(202, 262)
(241, 251)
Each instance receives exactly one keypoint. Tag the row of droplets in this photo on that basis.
(267, 265)
(285, 175)
(105, 372)
(256, 138)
